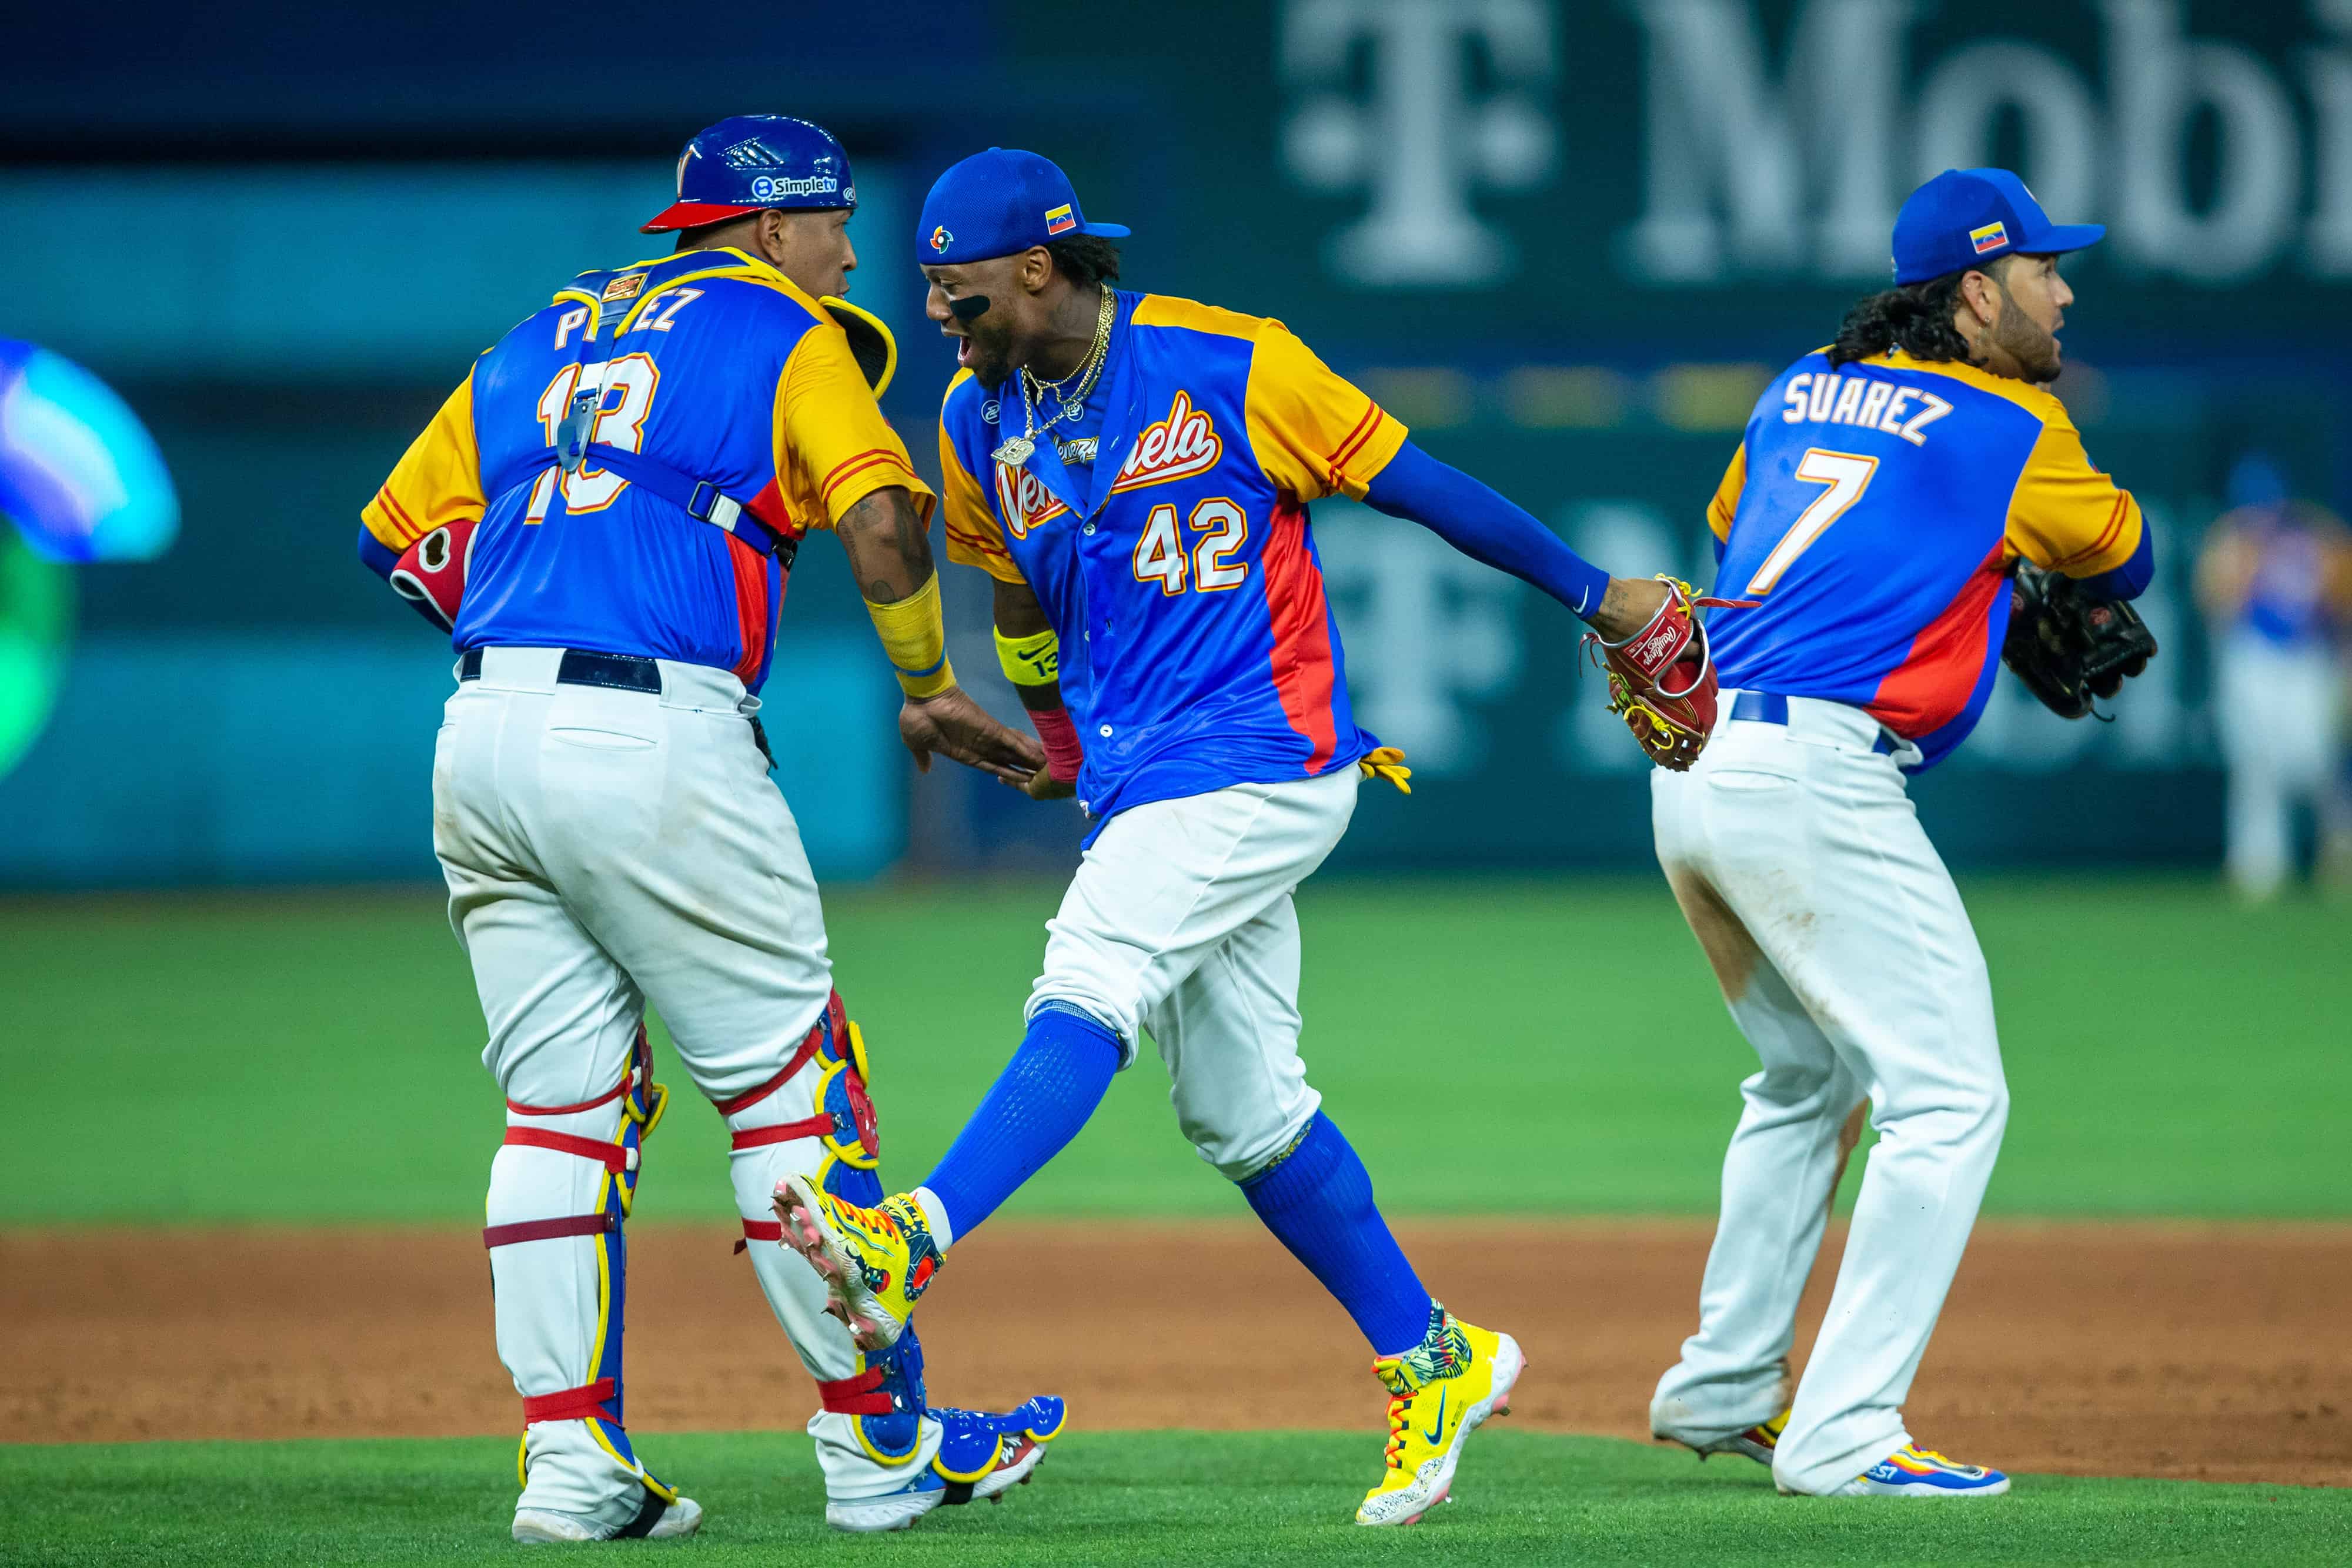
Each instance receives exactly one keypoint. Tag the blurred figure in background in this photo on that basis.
(2275, 584)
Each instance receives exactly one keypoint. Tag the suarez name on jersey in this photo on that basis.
(715, 366)
(1874, 509)
(1198, 647)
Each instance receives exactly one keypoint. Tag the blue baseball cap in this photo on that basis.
(1000, 202)
(1965, 217)
(755, 163)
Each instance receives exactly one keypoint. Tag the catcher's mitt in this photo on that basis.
(1662, 678)
(2069, 648)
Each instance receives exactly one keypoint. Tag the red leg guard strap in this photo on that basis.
(809, 1046)
(759, 1231)
(856, 1395)
(613, 1157)
(812, 1127)
(549, 1230)
(572, 1404)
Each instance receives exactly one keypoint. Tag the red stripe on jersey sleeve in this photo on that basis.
(1933, 684)
(1301, 620)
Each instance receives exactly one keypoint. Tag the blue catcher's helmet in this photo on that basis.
(752, 163)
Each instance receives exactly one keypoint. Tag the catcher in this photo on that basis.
(1899, 496)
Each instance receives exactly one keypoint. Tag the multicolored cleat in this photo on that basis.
(875, 1262)
(982, 1456)
(1914, 1472)
(1438, 1392)
(1757, 1442)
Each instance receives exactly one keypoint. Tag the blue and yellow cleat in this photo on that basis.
(875, 1261)
(1914, 1472)
(1438, 1392)
(982, 1456)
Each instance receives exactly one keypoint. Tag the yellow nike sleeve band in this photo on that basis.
(1031, 661)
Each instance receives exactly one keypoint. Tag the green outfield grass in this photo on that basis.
(1513, 1047)
(1123, 1498)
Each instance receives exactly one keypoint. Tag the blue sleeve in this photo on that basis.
(1485, 527)
(375, 555)
(2130, 580)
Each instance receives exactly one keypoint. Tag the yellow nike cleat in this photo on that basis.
(875, 1261)
(1438, 1391)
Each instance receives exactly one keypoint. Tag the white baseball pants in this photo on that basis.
(605, 849)
(1180, 920)
(1848, 962)
(2279, 714)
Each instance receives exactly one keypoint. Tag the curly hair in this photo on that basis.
(1916, 318)
(1084, 259)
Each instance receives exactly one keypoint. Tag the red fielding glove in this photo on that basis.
(431, 573)
(1662, 678)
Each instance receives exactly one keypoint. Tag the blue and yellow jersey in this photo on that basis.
(1875, 509)
(1198, 647)
(721, 370)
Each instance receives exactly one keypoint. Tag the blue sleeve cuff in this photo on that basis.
(2130, 580)
(1485, 525)
(377, 555)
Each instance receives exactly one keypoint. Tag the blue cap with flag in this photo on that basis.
(1000, 202)
(756, 162)
(1965, 217)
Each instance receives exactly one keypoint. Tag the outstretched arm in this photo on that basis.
(1485, 525)
(890, 552)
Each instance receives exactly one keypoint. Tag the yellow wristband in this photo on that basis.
(1031, 661)
(916, 639)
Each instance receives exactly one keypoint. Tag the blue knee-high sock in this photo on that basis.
(1035, 1107)
(1318, 1201)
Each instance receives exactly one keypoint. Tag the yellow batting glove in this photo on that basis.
(1388, 763)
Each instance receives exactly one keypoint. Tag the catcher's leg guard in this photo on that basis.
(815, 1115)
(560, 1187)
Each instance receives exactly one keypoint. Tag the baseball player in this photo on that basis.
(620, 486)
(2275, 579)
(1134, 471)
(1885, 487)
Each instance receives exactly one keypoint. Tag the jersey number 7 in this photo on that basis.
(628, 384)
(1847, 475)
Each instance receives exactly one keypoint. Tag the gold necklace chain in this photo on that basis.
(1015, 450)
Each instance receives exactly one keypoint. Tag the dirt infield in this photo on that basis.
(2208, 1351)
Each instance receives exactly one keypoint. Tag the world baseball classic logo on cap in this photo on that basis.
(1060, 220)
(1992, 236)
(940, 238)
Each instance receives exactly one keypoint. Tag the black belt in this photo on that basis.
(622, 672)
(1771, 707)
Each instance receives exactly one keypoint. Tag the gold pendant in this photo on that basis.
(1015, 451)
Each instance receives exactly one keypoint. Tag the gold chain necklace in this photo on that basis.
(1015, 450)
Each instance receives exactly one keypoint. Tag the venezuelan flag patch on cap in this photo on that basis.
(1992, 236)
(1060, 220)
